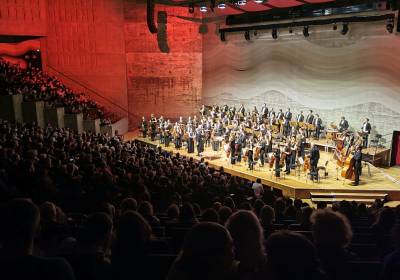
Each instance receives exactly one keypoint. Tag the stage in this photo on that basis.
(375, 182)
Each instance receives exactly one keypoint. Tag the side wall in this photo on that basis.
(164, 70)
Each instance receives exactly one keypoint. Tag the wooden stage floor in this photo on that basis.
(298, 185)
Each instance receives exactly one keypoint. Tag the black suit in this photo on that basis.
(317, 124)
(366, 128)
(232, 145)
(309, 120)
(343, 125)
(357, 166)
(314, 158)
(300, 118)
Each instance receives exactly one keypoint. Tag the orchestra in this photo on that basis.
(259, 136)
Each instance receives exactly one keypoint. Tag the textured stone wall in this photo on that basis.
(164, 70)
(86, 43)
(23, 17)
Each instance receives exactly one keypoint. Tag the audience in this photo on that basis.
(20, 224)
(207, 253)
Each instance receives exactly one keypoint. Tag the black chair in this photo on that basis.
(158, 265)
(366, 252)
(363, 270)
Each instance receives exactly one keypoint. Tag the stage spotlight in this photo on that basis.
(305, 31)
(221, 5)
(274, 33)
(247, 35)
(222, 36)
(241, 2)
(259, 1)
(191, 8)
(390, 25)
(334, 26)
(203, 8)
(345, 29)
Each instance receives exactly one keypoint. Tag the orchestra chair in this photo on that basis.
(323, 168)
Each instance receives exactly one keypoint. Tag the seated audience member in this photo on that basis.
(51, 231)
(291, 256)
(229, 202)
(128, 204)
(20, 224)
(207, 253)
(186, 215)
(391, 262)
(146, 210)
(248, 239)
(210, 215)
(258, 188)
(132, 238)
(91, 261)
(332, 234)
(267, 217)
(279, 209)
(382, 230)
(224, 213)
(173, 213)
(258, 204)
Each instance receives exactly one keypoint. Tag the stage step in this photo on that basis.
(332, 197)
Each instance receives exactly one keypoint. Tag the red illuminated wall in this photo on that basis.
(105, 46)
(85, 41)
(164, 70)
(23, 17)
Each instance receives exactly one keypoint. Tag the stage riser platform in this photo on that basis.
(297, 186)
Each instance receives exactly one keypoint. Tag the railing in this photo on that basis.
(123, 111)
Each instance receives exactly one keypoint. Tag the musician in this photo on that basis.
(277, 163)
(309, 120)
(242, 110)
(317, 124)
(263, 148)
(143, 127)
(288, 118)
(255, 111)
(314, 158)
(203, 110)
(250, 158)
(232, 146)
(343, 125)
(357, 165)
(264, 111)
(167, 135)
(301, 143)
(366, 129)
(287, 153)
(190, 140)
(280, 115)
(300, 117)
(272, 119)
(239, 145)
(293, 152)
(271, 113)
(178, 136)
(199, 140)
(153, 127)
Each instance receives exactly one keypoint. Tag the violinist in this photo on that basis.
(293, 152)
(190, 141)
(177, 136)
(288, 118)
(232, 146)
(263, 147)
(199, 140)
(286, 155)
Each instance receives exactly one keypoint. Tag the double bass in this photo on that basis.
(348, 164)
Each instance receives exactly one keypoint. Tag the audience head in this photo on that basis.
(173, 211)
(133, 234)
(267, 216)
(210, 215)
(20, 224)
(146, 209)
(331, 229)
(207, 252)
(229, 202)
(96, 232)
(387, 218)
(224, 213)
(128, 204)
(291, 256)
(247, 234)
(48, 212)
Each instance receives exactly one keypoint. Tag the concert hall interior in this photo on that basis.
(200, 139)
